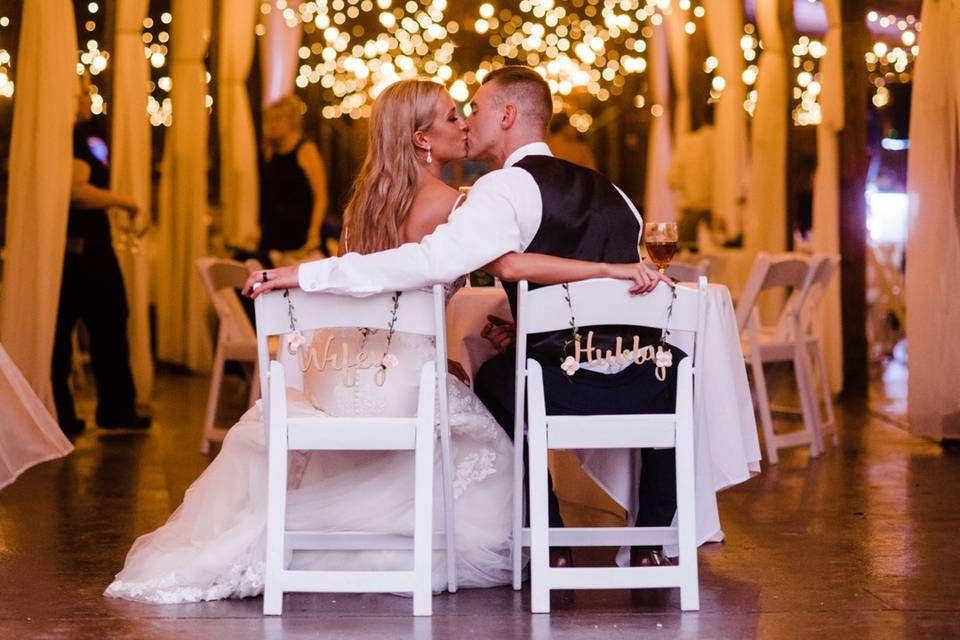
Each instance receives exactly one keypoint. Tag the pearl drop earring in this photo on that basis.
(429, 157)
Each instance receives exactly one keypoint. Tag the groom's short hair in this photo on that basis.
(526, 89)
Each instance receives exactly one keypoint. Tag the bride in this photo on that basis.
(212, 547)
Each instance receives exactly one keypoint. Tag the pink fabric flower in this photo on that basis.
(390, 361)
(664, 358)
(294, 341)
(570, 366)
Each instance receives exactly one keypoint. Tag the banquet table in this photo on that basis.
(727, 450)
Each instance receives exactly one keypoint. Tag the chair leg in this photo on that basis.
(213, 399)
(276, 524)
(516, 551)
(449, 511)
(829, 418)
(808, 399)
(686, 525)
(254, 385)
(763, 403)
(539, 521)
(423, 520)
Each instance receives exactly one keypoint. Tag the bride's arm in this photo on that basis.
(544, 269)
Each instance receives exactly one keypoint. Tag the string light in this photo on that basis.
(807, 54)
(890, 60)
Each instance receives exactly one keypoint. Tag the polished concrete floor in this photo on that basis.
(860, 543)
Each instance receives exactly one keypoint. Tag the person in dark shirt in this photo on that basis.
(92, 286)
(293, 183)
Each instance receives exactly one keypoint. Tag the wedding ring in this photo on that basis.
(264, 276)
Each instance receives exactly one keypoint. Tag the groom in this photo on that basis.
(532, 202)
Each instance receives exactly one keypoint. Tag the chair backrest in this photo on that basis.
(418, 312)
(222, 278)
(609, 302)
(787, 271)
(825, 267)
(688, 271)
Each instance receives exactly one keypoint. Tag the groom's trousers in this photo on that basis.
(633, 390)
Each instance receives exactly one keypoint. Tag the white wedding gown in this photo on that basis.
(212, 546)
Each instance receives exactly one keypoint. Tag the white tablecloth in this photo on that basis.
(727, 448)
(466, 315)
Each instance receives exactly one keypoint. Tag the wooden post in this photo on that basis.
(854, 161)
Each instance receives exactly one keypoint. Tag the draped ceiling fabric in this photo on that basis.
(933, 243)
(278, 54)
(238, 144)
(678, 46)
(182, 336)
(38, 193)
(826, 188)
(130, 175)
(765, 228)
(658, 203)
(724, 29)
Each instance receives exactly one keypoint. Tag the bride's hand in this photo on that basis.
(458, 371)
(280, 278)
(644, 278)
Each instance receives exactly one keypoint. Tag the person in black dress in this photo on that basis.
(293, 183)
(92, 287)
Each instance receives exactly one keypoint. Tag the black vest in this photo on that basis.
(584, 217)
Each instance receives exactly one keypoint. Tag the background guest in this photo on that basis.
(293, 183)
(92, 286)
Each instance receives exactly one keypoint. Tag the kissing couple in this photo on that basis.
(534, 217)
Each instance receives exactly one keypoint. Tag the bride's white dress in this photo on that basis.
(213, 545)
(29, 435)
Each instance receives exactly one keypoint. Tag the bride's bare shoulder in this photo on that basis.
(431, 208)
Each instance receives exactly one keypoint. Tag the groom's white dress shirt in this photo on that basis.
(501, 215)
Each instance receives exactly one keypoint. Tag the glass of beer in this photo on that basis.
(661, 241)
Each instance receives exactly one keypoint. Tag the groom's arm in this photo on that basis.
(501, 214)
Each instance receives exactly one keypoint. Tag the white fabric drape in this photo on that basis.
(238, 144)
(130, 175)
(38, 193)
(826, 188)
(678, 45)
(658, 200)
(28, 433)
(724, 28)
(278, 54)
(933, 245)
(765, 228)
(182, 335)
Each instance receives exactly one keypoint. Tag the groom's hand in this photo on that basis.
(645, 279)
(500, 333)
(280, 278)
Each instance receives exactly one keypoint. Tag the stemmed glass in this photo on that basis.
(661, 241)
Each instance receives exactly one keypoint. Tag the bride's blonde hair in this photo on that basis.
(383, 192)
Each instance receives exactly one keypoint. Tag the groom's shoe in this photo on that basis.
(561, 557)
(132, 421)
(644, 557)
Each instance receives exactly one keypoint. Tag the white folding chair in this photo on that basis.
(419, 313)
(605, 302)
(236, 339)
(826, 267)
(687, 271)
(784, 341)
